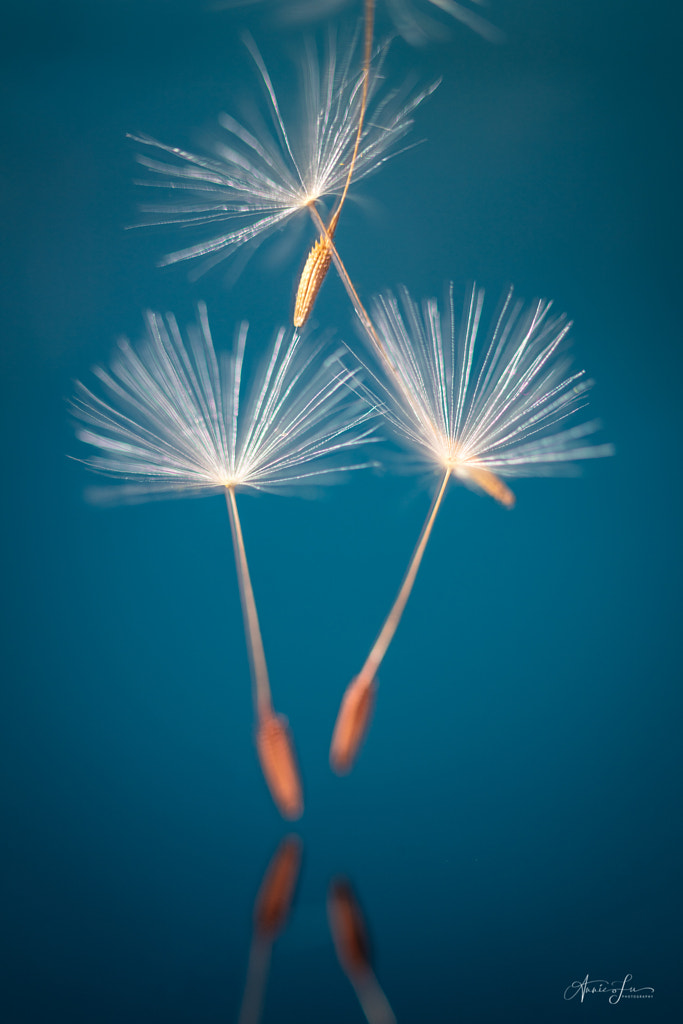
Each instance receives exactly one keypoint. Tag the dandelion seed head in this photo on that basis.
(260, 174)
(483, 407)
(172, 417)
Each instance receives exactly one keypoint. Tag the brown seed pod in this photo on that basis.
(278, 763)
(316, 267)
(353, 721)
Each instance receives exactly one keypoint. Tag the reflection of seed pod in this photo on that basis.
(352, 723)
(274, 899)
(349, 933)
(278, 763)
(315, 268)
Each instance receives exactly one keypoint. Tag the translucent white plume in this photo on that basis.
(261, 174)
(497, 409)
(173, 418)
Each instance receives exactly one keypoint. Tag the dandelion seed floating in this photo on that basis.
(172, 425)
(257, 177)
(476, 420)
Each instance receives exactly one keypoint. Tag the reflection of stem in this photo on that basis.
(257, 977)
(374, 1003)
(369, 669)
(271, 910)
(257, 657)
(369, 25)
(350, 939)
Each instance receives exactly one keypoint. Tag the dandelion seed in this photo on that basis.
(474, 419)
(314, 273)
(493, 416)
(172, 423)
(258, 177)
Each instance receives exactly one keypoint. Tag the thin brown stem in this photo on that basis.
(318, 260)
(257, 657)
(367, 323)
(374, 659)
(360, 309)
(369, 28)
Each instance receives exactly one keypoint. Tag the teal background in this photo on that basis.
(513, 823)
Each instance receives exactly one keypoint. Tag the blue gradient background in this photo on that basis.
(514, 820)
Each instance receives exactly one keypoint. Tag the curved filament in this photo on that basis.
(361, 311)
(319, 258)
(352, 718)
(369, 29)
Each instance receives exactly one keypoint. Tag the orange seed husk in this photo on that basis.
(352, 723)
(312, 276)
(278, 763)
